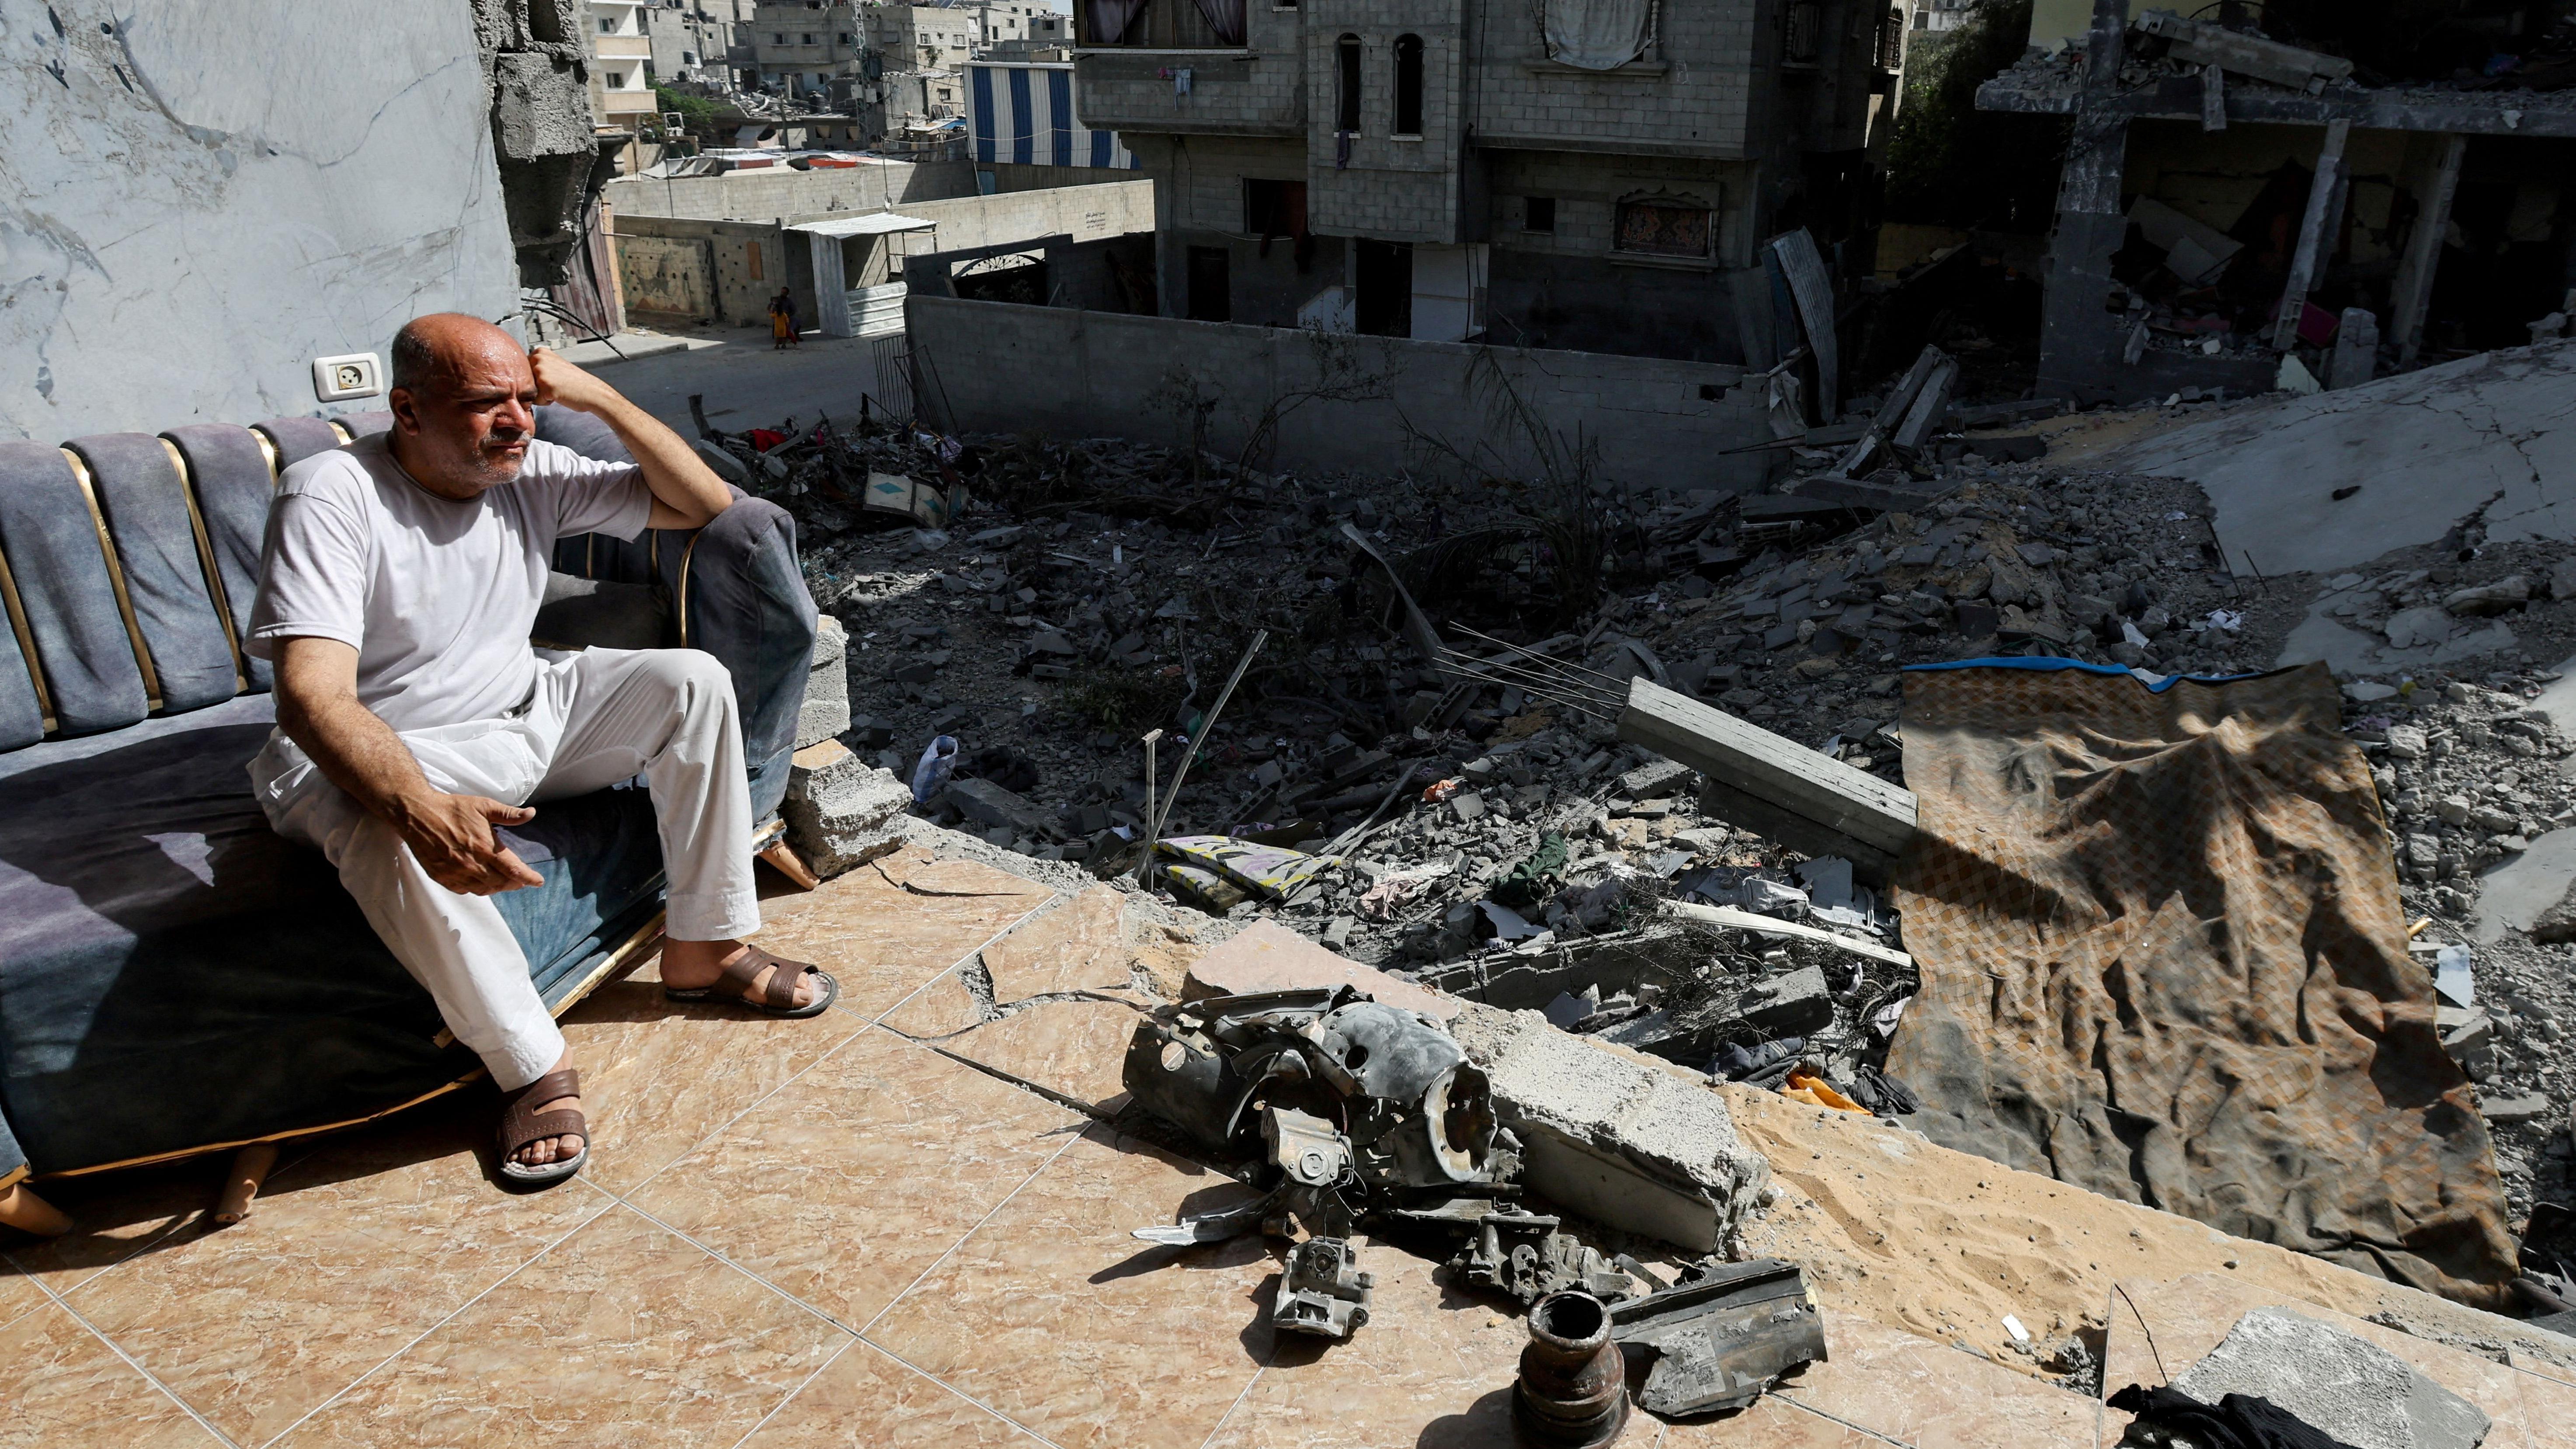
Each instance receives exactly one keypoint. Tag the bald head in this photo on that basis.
(432, 351)
(463, 397)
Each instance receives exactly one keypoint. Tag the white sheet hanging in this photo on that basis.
(1596, 34)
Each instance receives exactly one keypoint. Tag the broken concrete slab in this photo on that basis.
(826, 711)
(2528, 889)
(1603, 1134)
(1794, 1004)
(1773, 786)
(2508, 1111)
(2355, 1391)
(1267, 956)
(2432, 447)
(841, 811)
(990, 805)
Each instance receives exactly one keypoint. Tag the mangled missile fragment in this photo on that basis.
(1720, 1341)
(1322, 1290)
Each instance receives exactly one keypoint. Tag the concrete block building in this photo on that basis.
(1554, 174)
(693, 40)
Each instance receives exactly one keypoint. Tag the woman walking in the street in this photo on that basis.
(782, 321)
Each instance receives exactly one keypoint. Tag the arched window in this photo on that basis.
(1408, 85)
(1346, 79)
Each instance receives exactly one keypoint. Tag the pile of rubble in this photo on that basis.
(1019, 614)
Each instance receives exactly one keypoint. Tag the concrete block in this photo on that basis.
(1269, 957)
(993, 807)
(827, 685)
(2468, 1034)
(1653, 779)
(2507, 1111)
(2355, 1391)
(1790, 1005)
(841, 812)
(1609, 1136)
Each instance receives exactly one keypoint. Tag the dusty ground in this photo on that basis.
(1944, 1245)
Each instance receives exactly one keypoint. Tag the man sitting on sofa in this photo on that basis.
(399, 580)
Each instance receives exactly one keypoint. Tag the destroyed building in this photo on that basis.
(1471, 895)
(1587, 177)
(2349, 189)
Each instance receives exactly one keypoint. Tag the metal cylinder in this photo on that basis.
(1573, 1387)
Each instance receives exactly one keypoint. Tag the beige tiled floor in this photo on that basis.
(798, 1234)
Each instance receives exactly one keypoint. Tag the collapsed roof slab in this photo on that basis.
(2181, 98)
(2426, 447)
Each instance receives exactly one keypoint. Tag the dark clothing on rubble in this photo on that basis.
(2238, 1421)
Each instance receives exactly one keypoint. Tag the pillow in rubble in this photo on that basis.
(579, 613)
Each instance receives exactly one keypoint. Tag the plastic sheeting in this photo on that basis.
(1596, 34)
(2164, 959)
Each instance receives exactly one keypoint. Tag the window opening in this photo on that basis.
(1408, 85)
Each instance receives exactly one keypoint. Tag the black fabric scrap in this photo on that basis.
(1739, 1063)
(1881, 1093)
(2238, 1421)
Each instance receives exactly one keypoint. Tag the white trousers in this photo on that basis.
(596, 717)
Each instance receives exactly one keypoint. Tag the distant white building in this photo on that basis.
(1935, 16)
(621, 81)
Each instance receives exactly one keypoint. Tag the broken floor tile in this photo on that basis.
(1073, 1051)
(1270, 957)
(1077, 946)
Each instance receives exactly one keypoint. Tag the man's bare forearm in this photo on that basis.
(357, 751)
(679, 478)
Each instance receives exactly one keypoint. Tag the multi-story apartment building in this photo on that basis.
(1030, 20)
(802, 45)
(923, 37)
(1589, 174)
(621, 83)
(693, 39)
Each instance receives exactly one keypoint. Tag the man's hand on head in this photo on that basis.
(451, 836)
(560, 382)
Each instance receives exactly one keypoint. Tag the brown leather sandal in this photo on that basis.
(521, 1124)
(777, 999)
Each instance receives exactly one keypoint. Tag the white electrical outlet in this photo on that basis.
(337, 379)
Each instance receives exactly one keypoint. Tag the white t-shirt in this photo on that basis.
(436, 595)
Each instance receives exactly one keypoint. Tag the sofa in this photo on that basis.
(174, 977)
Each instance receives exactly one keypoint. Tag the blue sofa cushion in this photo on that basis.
(135, 477)
(69, 600)
(175, 976)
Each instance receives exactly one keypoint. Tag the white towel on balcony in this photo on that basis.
(1596, 34)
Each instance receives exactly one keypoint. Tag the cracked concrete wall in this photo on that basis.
(536, 75)
(202, 198)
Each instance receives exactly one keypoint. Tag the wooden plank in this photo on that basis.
(2413, 294)
(1778, 773)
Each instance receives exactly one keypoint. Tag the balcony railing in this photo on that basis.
(1153, 25)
